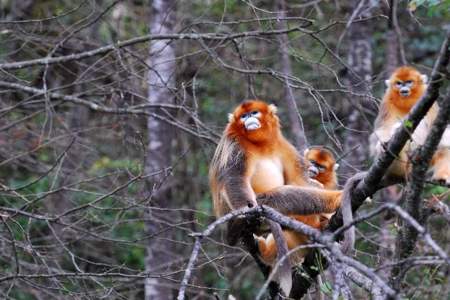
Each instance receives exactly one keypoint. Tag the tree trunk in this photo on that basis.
(390, 194)
(394, 49)
(161, 80)
(294, 116)
(359, 81)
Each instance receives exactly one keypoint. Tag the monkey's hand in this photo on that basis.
(242, 228)
(252, 202)
(316, 183)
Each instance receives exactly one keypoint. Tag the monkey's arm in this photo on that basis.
(236, 183)
(289, 199)
(294, 166)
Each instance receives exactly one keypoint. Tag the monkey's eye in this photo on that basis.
(398, 83)
(244, 116)
(254, 113)
(409, 82)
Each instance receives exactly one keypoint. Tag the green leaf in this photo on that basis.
(407, 124)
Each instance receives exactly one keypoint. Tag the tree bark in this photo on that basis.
(359, 81)
(161, 80)
(391, 193)
(394, 50)
(295, 124)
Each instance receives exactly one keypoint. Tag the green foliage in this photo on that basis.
(407, 124)
(105, 164)
(19, 294)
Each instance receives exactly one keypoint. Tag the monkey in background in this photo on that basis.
(322, 168)
(405, 88)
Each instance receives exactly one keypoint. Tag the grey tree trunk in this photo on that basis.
(389, 194)
(295, 125)
(394, 50)
(161, 79)
(359, 80)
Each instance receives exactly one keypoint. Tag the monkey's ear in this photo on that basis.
(305, 152)
(273, 109)
(424, 78)
(386, 82)
(230, 118)
(336, 166)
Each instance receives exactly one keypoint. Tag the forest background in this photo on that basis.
(111, 111)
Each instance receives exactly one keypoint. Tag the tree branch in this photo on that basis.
(375, 175)
(142, 39)
(407, 237)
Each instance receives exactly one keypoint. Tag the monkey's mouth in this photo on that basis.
(252, 124)
(404, 93)
(313, 172)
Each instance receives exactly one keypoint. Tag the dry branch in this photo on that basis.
(142, 39)
(373, 181)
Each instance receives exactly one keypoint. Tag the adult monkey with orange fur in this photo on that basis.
(405, 88)
(321, 166)
(254, 164)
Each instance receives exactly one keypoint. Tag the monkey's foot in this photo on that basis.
(260, 243)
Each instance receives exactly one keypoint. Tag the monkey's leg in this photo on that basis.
(267, 248)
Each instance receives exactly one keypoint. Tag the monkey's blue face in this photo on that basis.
(315, 168)
(404, 87)
(251, 120)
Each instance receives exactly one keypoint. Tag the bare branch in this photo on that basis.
(142, 39)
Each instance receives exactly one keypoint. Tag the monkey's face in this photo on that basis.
(250, 120)
(404, 87)
(321, 163)
(407, 85)
(255, 120)
(315, 168)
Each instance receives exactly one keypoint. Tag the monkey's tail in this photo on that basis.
(348, 244)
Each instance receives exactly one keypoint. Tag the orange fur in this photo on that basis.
(400, 106)
(324, 158)
(393, 110)
(269, 162)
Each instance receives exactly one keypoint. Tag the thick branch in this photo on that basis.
(316, 235)
(375, 176)
(407, 237)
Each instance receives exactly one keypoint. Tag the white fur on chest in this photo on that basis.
(267, 174)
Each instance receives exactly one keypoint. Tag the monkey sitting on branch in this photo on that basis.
(405, 88)
(254, 164)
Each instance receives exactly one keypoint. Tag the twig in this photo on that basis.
(142, 39)
(372, 181)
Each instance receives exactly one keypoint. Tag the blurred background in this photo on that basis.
(110, 112)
